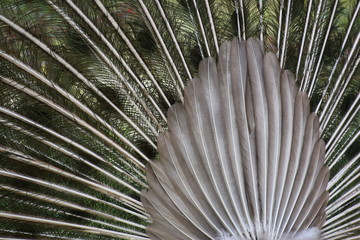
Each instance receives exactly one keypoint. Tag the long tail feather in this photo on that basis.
(84, 90)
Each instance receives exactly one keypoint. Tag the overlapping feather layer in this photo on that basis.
(242, 157)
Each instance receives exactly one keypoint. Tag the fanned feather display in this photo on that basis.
(198, 195)
(85, 93)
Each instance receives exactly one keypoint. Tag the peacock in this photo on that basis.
(179, 119)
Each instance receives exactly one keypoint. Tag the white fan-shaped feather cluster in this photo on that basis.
(242, 158)
(308, 234)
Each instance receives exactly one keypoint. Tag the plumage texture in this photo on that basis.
(308, 234)
(200, 174)
(84, 91)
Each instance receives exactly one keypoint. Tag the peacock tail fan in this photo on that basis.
(84, 91)
(242, 155)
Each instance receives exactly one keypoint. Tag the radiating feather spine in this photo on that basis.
(238, 70)
(272, 88)
(255, 66)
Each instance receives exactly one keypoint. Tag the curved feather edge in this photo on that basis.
(242, 158)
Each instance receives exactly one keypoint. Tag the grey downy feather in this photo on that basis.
(235, 165)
